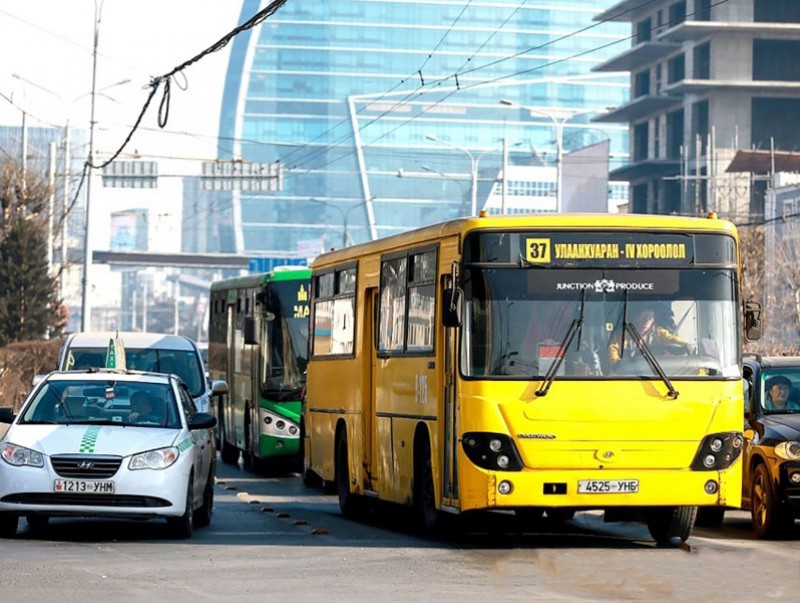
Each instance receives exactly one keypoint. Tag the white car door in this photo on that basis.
(202, 445)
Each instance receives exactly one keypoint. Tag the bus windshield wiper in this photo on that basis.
(574, 329)
(651, 359)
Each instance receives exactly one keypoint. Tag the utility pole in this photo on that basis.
(505, 176)
(86, 322)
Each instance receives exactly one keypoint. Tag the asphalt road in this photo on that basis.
(273, 539)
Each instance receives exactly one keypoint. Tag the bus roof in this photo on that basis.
(280, 274)
(568, 221)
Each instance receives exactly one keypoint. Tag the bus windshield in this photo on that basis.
(518, 320)
(283, 372)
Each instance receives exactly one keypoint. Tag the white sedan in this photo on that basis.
(107, 443)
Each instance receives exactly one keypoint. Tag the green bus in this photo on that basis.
(258, 344)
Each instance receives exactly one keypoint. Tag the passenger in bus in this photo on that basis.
(779, 390)
(653, 334)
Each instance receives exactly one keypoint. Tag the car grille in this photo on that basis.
(86, 500)
(85, 466)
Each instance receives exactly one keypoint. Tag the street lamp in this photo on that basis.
(401, 173)
(559, 116)
(345, 214)
(473, 162)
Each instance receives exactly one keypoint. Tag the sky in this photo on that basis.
(47, 50)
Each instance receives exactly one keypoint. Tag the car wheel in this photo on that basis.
(8, 525)
(183, 527)
(671, 526)
(202, 517)
(769, 520)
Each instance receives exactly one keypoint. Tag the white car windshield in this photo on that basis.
(103, 402)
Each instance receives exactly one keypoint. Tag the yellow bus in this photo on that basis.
(499, 363)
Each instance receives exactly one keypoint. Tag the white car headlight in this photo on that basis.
(20, 456)
(154, 459)
(788, 450)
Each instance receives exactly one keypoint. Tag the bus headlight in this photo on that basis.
(718, 451)
(492, 451)
(276, 426)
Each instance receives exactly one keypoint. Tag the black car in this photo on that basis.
(771, 480)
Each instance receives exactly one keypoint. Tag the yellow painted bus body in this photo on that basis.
(609, 430)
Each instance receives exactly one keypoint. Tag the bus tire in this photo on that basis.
(671, 526)
(347, 500)
(769, 519)
(249, 458)
(427, 515)
(229, 454)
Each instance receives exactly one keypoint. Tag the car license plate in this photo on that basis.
(82, 486)
(608, 486)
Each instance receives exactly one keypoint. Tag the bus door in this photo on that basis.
(229, 422)
(450, 457)
(369, 358)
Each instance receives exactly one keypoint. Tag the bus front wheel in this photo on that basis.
(671, 526)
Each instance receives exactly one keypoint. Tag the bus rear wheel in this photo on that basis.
(428, 516)
(671, 526)
(229, 454)
(347, 500)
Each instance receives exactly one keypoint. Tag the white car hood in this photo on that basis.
(90, 439)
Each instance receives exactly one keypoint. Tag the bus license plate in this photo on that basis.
(81, 486)
(608, 486)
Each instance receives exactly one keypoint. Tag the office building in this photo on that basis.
(714, 87)
(386, 115)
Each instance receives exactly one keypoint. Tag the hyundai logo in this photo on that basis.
(85, 465)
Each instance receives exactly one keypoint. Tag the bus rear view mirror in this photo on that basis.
(451, 307)
(752, 320)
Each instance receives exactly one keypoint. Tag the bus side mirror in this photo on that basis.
(250, 330)
(752, 320)
(451, 307)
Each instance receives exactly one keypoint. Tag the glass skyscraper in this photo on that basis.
(385, 115)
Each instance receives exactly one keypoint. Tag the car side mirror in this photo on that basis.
(752, 320)
(202, 420)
